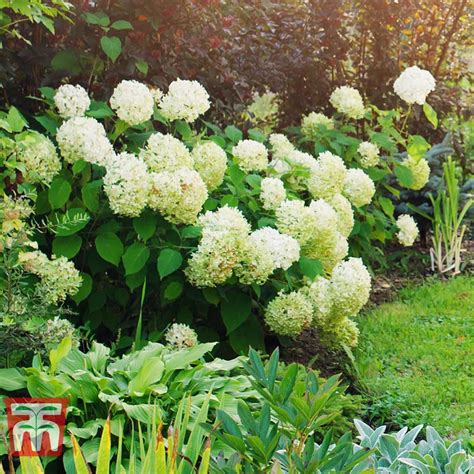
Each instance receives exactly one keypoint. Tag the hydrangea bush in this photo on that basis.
(175, 218)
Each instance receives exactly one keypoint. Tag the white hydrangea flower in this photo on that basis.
(311, 124)
(301, 159)
(251, 155)
(283, 249)
(344, 213)
(327, 177)
(127, 185)
(288, 314)
(210, 161)
(133, 102)
(369, 154)
(358, 187)
(222, 247)
(327, 220)
(71, 101)
(58, 276)
(407, 230)
(320, 296)
(156, 93)
(280, 145)
(185, 100)
(84, 138)
(414, 84)
(181, 336)
(178, 195)
(38, 155)
(256, 263)
(350, 287)
(55, 330)
(272, 193)
(348, 101)
(344, 333)
(420, 170)
(297, 220)
(166, 153)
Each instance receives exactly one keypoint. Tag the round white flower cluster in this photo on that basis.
(288, 314)
(181, 336)
(185, 100)
(210, 161)
(166, 153)
(223, 242)
(127, 184)
(281, 146)
(311, 124)
(297, 220)
(420, 170)
(250, 155)
(272, 193)
(84, 138)
(58, 276)
(327, 177)
(157, 94)
(344, 212)
(178, 195)
(414, 84)
(133, 102)
(71, 101)
(348, 101)
(38, 155)
(55, 330)
(407, 230)
(369, 154)
(358, 187)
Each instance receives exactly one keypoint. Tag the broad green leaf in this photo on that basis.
(404, 175)
(109, 247)
(387, 206)
(121, 25)
(99, 18)
(135, 258)
(233, 133)
(90, 195)
(67, 246)
(417, 146)
(169, 261)
(142, 66)
(145, 225)
(71, 222)
(84, 290)
(173, 290)
(61, 351)
(79, 461)
(150, 373)
(16, 120)
(310, 267)
(99, 110)
(235, 309)
(103, 457)
(112, 46)
(59, 192)
(430, 114)
(49, 124)
(12, 379)
(66, 61)
(184, 129)
(248, 334)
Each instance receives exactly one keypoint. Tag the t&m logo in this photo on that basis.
(36, 425)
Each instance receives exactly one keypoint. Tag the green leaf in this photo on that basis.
(173, 290)
(430, 114)
(99, 110)
(67, 246)
(84, 290)
(145, 225)
(150, 373)
(142, 66)
(249, 334)
(70, 222)
(235, 309)
(16, 120)
(233, 133)
(61, 351)
(99, 19)
(387, 206)
(12, 379)
(257, 135)
(49, 124)
(169, 261)
(310, 267)
(59, 193)
(90, 195)
(66, 61)
(135, 258)
(417, 146)
(109, 247)
(112, 46)
(404, 175)
(122, 25)
(184, 129)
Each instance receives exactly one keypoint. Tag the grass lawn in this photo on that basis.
(416, 357)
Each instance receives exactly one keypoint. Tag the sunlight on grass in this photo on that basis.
(416, 357)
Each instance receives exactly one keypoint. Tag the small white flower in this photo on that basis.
(71, 101)
(133, 102)
(369, 154)
(181, 336)
(408, 230)
(414, 84)
(185, 100)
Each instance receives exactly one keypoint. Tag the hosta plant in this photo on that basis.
(235, 235)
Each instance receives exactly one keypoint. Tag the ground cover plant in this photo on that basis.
(415, 357)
